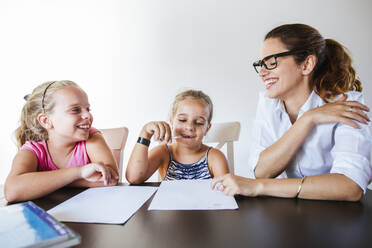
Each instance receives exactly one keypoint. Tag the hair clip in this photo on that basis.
(26, 97)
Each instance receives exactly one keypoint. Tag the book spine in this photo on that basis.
(53, 223)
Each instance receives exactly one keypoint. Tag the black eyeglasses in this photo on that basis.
(270, 62)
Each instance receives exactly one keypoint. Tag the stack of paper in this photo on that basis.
(111, 205)
(190, 195)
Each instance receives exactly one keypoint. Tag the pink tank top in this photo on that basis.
(79, 156)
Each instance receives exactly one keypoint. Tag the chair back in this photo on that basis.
(224, 133)
(116, 139)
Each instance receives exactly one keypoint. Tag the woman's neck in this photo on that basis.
(294, 103)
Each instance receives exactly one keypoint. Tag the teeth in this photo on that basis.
(84, 126)
(270, 81)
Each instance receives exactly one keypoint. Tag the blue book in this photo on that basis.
(26, 225)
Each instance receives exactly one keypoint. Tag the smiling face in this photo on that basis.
(70, 118)
(190, 122)
(286, 80)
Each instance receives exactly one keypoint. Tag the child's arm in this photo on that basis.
(99, 153)
(142, 163)
(24, 182)
(217, 163)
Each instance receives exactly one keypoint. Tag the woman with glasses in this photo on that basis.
(311, 137)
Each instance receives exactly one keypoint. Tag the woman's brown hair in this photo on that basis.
(333, 74)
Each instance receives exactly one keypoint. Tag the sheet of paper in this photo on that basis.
(111, 205)
(190, 195)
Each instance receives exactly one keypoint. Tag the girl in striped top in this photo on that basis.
(181, 155)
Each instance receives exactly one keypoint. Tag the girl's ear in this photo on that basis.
(309, 65)
(44, 121)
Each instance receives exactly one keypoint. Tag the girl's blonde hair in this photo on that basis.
(39, 101)
(195, 94)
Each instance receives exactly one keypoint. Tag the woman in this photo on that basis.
(310, 123)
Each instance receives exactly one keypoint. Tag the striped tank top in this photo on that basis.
(178, 171)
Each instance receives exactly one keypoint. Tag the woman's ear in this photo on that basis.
(44, 121)
(309, 64)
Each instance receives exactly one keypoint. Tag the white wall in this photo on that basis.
(132, 57)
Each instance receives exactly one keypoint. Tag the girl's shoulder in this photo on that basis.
(162, 148)
(37, 147)
(94, 135)
(93, 131)
(161, 151)
(215, 154)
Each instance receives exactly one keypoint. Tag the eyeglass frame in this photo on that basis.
(277, 55)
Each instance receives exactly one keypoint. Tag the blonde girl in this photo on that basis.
(58, 145)
(187, 157)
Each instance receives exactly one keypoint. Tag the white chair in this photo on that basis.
(224, 133)
(116, 139)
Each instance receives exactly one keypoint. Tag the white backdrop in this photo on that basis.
(132, 57)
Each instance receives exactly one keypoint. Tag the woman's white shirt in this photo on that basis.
(329, 148)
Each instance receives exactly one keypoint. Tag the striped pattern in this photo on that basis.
(178, 171)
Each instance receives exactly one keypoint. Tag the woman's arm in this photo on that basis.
(217, 163)
(320, 187)
(274, 159)
(142, 163)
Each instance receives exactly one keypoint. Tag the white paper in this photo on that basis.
(111, 205)
(190, 195)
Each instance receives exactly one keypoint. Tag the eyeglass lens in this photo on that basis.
(269, 63)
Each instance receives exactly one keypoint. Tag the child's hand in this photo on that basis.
(159, 129)
(99, 173)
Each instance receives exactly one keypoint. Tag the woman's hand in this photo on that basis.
(160, 130)
(236, 185)
(340, 111)
(99, 173)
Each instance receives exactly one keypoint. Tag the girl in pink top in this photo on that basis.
(58, 145)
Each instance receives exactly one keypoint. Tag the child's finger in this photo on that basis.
(103, 172)
(156, 132)
(113, 173)
(161, 131)
(168, 133)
